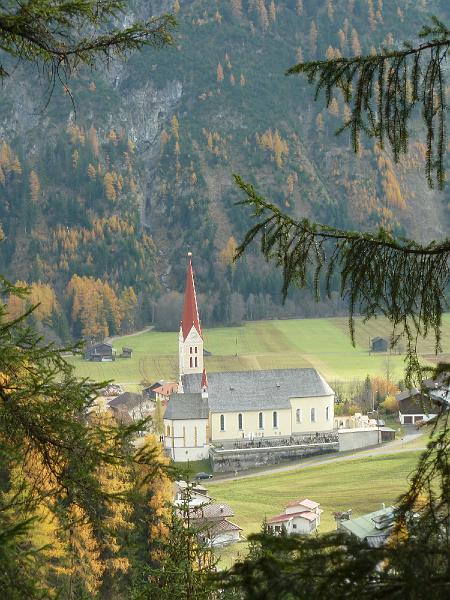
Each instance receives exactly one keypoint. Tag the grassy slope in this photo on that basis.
(361, 484)
(321, 343)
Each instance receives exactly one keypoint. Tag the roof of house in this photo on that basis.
(96, 347)
(211, 511)
(414, 403)
(190, 309)
(222, 526)
(187, 406)
(127, 399)
(373, 527)
(407, 394)
(306, 502)
(258, 390)
(166, 388)
(379, 339)
(309, 516)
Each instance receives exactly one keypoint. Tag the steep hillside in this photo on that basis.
(118, 190)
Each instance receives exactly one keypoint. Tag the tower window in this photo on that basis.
(313, 415)
(190, 349)
(298, 415)
(196, 362)
(196, 349)
(190, 362)
(275, 419)
(240, 422)
(222, 422)
(260, 421)
(327, 413)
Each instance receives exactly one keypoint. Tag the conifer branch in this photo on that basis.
(384, 89)
(379, 274)
(61, 36)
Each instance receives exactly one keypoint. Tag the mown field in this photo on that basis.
(321, 343)
(362, 484)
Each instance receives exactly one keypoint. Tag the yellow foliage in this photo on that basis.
(219, 72)
(75, 158)
(236, 8)
(227, 253)
(35, 187)
(356, 46)
(108, 183)
(273, 11)
(92, 172)
(93, 140)
(175, 127)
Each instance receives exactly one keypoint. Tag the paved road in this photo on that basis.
(397, 446)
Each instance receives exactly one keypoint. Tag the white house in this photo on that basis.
(299, 517)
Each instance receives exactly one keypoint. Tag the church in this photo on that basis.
(225, 407)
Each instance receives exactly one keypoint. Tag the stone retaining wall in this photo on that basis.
(230, 460)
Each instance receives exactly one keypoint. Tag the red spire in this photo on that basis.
(190, 310)
(204, 383)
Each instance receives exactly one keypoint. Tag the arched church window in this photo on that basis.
(313, 415)
(222, 422)
(195, 436)
(275, 419)
(327, 411)
(190, 362)
(196, 362)
(240, 422)
(298, 415)
(196, 350)
(260, 421)
(190, 349)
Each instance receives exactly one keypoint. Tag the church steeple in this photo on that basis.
(190, 340)
(190, 309)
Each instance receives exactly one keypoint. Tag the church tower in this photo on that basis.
(190, 339)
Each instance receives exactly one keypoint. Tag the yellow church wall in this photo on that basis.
(250, 424)
(320, 422)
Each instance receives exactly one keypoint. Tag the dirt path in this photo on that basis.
(115, 337)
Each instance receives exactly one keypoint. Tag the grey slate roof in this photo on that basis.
(407, 394)
(127, 399)
(258, 390)
(187, 406)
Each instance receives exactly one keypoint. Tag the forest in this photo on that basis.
(135, 166)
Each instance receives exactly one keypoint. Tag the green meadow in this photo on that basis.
(361, 484)
(321, 343)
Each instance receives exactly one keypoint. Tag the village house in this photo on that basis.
(163, 391)
(373, 528)
(299, 517)
(225, 407)
(209, 519)
(128, 407)
(101, 352)
(379, 344)
(414, 407)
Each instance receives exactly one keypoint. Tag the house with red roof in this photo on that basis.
(163, 391)
(299, 517)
